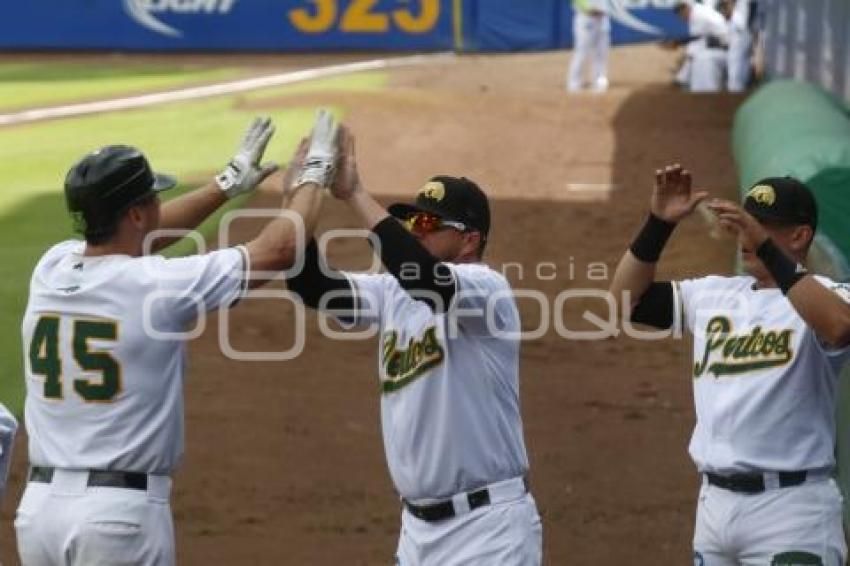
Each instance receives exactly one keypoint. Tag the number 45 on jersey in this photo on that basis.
(46, 360)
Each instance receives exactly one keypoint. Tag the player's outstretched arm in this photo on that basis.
(823, 309)
(242, 174)
(826, 311)
(672, 200)
(309, 172)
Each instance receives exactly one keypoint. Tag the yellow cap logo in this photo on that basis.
(433, 190)
(763, 194)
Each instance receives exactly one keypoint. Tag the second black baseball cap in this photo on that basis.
(450, 198)
(782, 200)
(108, 181)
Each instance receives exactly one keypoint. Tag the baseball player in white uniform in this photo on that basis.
(8, 428)
(104, 347)
(768, 347)
(704, 67)
(448, 368)
(740, 52)
(591, 43)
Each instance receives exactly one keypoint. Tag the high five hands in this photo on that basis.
(327, 158)
(347, 181)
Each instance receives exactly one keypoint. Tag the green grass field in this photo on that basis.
(31, 84)
(191, 140)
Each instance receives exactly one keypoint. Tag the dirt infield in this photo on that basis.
(284, 463)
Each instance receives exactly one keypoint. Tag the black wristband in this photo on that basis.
(652, 238)
(784, 270)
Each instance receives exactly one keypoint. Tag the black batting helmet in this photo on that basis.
(107, 182)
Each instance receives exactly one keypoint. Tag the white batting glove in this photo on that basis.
(319, 165)
(244, 171)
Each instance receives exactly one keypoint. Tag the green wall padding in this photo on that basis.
(832, 188)
(794, 128)
(790, 126)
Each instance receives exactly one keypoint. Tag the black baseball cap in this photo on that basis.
(782, 200)
(106, 182)
(450, 198)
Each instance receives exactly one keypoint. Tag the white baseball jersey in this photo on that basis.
(764, 383)
(741, 14)
(8, 428)
(705, 21)
(450, 408)
(104, 377)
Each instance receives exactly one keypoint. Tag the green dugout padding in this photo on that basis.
(793, 128)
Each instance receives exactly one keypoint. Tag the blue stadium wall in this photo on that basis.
(308, 25)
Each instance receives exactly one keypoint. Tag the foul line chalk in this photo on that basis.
(194, 93)
(592, 187)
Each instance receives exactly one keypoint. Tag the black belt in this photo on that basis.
(97, 478)
(754, 483)
(713, 42)
(446, 509)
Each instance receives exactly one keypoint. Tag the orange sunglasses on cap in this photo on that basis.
(425, 223)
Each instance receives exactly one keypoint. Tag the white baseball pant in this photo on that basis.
(739, 55)
(591, 40)
(66, 523)
(707, 69)
(508, 532)
(790, 526)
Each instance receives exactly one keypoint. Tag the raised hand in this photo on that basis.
(735, 220)
(244, 171)
(347, 181)
(673, 198)
(293, 168)
(319, 164)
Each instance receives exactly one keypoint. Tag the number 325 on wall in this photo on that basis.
(362, 16)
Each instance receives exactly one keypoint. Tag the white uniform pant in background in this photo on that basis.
(707, 69)
(505, 534)
(66, 523)
(778, 527)
(739, 56)
(683, 74)
(591, 41)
